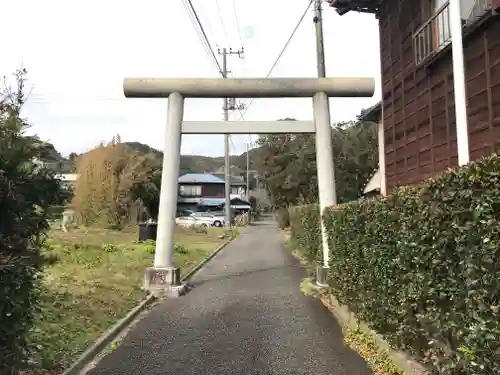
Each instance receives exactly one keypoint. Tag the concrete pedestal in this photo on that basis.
(164, 282)
(321, 275)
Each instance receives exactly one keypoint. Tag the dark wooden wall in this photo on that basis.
(418, 102)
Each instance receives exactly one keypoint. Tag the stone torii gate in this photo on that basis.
(164, 278)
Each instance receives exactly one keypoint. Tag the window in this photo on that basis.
(190, 191)
(201, 214)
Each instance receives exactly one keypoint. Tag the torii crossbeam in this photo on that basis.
(163, 278)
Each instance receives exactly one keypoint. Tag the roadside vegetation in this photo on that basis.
(377, 358)
(432, 252)
(94, 278)
(59, 290)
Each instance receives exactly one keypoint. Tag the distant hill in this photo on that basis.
(200, 164)
(189, 163)
(53, 158)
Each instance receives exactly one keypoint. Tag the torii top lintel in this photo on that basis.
(248, 87)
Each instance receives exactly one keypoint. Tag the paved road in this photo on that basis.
(244, 315)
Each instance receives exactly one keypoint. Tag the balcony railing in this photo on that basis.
(435, 34)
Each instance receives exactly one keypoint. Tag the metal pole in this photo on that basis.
(457, 49)
(324, 149)
(227, 165)
(169, 181)
(248, 173)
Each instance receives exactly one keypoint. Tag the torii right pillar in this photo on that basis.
(164, 276)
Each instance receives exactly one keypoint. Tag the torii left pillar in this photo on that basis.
(163, 279)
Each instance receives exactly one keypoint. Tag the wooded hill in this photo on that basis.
(189, 163)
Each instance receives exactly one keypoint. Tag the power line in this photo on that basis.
(237, 21)
(207, 43)
(283, 49)
(221, 20)
(194, 23)
(205, 37)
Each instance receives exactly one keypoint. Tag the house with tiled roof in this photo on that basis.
(203, 191)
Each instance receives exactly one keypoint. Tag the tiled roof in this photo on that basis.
(212, 201)
(235, 180)
(374, 113)
(221, 201)
(363, 6)
(200, 178)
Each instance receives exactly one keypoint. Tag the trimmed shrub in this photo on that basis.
(421, 267)
(283, 217)
(306, 231)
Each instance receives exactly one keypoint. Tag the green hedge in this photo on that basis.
(282, 217)
(306, 232)
(422, 267)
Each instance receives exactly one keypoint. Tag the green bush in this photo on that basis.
(27, 190)
(110, 248)
(149, 246)
(306, 231)
(282, 217)
(421, 267)
(180, 249)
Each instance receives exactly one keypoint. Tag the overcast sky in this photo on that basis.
(78, 52)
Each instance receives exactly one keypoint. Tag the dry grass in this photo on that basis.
(95, 278)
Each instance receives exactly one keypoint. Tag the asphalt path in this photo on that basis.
(245, 314)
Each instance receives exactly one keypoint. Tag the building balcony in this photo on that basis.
(435, 34)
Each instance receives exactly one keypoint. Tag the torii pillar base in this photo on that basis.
(164, 282)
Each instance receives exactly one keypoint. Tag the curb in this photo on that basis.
(107, 337)
(196, 268)
(346, 317)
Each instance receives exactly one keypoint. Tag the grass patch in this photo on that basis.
(93, 277)
(377, 359)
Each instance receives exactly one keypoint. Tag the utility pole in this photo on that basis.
(248, 172)
(229, 104)
(324, 148)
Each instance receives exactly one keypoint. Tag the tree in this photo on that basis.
(27, 189)
(288, 163)
(72, 157)
(112, 179)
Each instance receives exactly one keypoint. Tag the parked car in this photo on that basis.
(190, 222)
(184, 213)
(210, 218)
